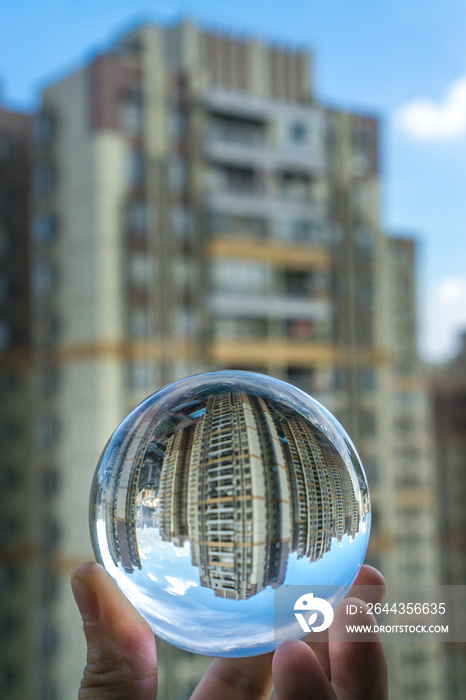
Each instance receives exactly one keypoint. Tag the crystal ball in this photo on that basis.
(216, 492)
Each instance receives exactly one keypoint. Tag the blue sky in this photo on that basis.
(403, 61)
(168, 593)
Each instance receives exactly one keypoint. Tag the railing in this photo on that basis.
(237, 136)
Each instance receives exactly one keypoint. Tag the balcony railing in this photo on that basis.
(246, 137)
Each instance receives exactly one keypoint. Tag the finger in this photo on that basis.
(373, 592)
(359, 669)
(237, 679)
(297, 673)
(374, 585)
(121, 655)
(369, 576)
(320, 649)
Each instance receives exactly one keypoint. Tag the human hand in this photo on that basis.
(122, 659)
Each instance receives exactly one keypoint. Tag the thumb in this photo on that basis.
(121, 655)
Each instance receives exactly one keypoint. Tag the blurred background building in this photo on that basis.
(449, 402)
(194, 207)
(19, 543)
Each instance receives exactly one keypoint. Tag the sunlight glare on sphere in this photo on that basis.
(214, 493)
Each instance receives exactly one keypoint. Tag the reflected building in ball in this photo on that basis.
(245, 480)
(238, 502)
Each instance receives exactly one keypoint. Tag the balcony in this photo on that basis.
(236, 144)
(249, 192)
(297, 256)
(258, 201)
(246, 128)
(242, 146)
(259, 353)
(271, 306)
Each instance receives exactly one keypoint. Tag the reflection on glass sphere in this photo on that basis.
(219, 489)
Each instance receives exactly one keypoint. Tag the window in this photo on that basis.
(177, 123)
(140, 322)
(177, 174)
(366, 292)
(235, 180)
(299, 133)
(245, 277)
(361, 143)
(44, 227)
(365, 327)
(365, 239)
(47, 430)
(50, 481)
(305, 231)
(366, 378)
(240, 328)
(361, 200)
(184, 323)
(300, 329)
(242, 132)
(368, 423)
(43, 276)
(240, 180)
(50, 587)
(250, 226)
(182, 222)
(340, 378)
(43, 179)
(48, 379)
(140, 375)
(301, 377)
(136, 167)
(298, 283)
(12, 476)
(43, 128)
(137, 216)
(295, 186)
(132, 113)
(50, 531)
(139, 269)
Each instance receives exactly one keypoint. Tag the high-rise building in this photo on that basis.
(18, 484)
(196, 207)
(409, 486)
(449, 406)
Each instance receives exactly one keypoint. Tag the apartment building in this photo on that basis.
(413, 486)
(449, 407)
(19, 543)
(196, 207)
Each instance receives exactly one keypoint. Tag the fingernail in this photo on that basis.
(85, 598)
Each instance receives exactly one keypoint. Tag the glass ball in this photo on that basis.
(215, 492)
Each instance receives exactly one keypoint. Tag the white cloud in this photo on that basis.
(425, 120)
(177, 586)
(445, 318)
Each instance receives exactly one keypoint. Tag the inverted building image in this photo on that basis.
(244, 480)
